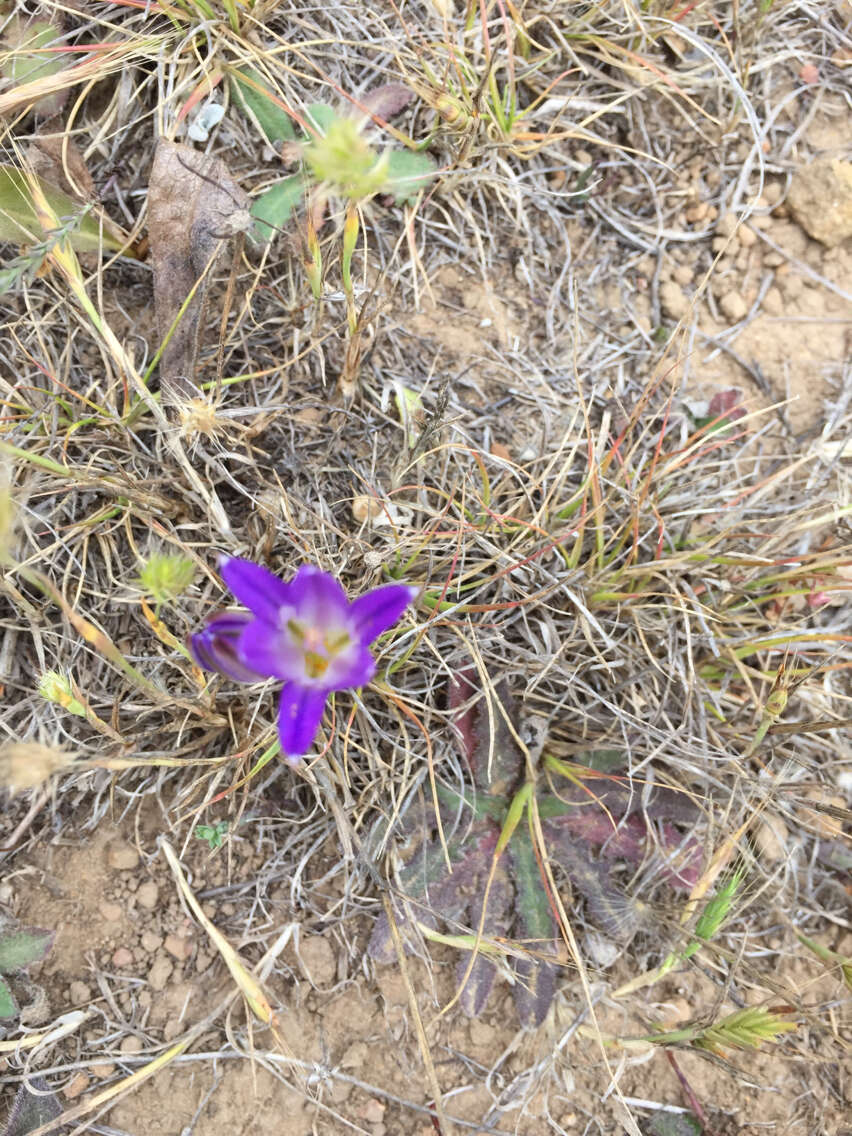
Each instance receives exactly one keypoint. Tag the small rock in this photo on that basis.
(481, 1034)
(726, 225)
(110, 911)
(683, 274)
(365, 508)
(772, 193)
(773, 259)
(160, 971)
(77, 1085)
(172, 1028)
(820, 199)
(151, 942)
(178, 947)
(733, 306)
(122, 957)
(103, 1070)
(148, 894)
(373, 1111)
(122, 857)
(718, 244)
(79, 992)
(771, 838)
(773, 302)
(674, 303)
(318, 960)
(130, 1044)
(747, 237)
(202, 961)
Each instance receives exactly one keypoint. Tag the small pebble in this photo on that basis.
(110, 911)
(122, 857)
(151, 942)
(674, 303)
(160, 971)
(147, 894)
(79, 992)
(122, 957)
(103, 1070)
(773, 302)
(178, 947)
(726, 225)
(77, 1085)
(733, 306)
(131, 1044)
(683, 274)
(747, 237)
(172, 1028)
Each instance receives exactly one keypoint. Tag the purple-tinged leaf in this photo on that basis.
(460, 690)
(388, 100)
(592, 826)
(23, 947)
(381, 947)
(609, 908)
(534, 926)
(33, 1106)
(492, 753)
(477, 988)
(498, 918)
(684, 858)
(728, 403)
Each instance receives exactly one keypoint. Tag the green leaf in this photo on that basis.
(19, 222)
(23, 62)
(535, 979)
(668, 1124)
(603, 760)
(271, 119)
(321, 117)
(8, 1006)
(274, 206)
(408, 173)
(23, 947)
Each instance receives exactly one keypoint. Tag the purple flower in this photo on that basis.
(305, 632)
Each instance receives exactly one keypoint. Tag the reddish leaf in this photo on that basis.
(388, 100)
(608, 906)
(498, 918)
(728, 403)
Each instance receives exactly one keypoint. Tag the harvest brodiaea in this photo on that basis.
(305, 632)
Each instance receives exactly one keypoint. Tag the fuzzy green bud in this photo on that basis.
(344, 160)
(165, 576)
(56, 687)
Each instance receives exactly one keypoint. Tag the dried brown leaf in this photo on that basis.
(55, 158)
(194, 206)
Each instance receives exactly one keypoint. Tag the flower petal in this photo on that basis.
(215, 648)
(374, 613)
(271, 651)
(255, 587)
(355, 668)
(299, 714)
(319, 599)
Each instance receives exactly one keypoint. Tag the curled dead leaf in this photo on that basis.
(194, 207)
